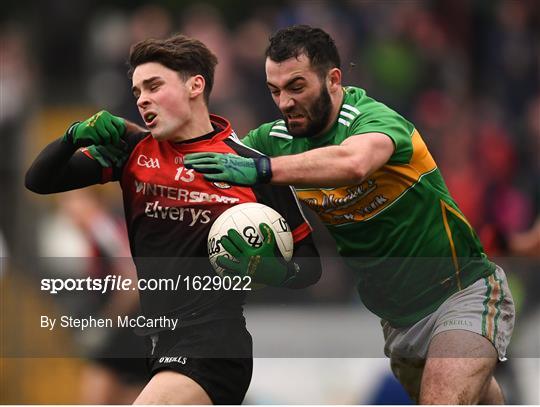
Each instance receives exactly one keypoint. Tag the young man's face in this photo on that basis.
(162, 98)
(300, 94)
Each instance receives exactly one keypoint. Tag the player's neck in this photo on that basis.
(198, 124)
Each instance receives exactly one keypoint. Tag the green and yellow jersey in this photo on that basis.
(400, 229)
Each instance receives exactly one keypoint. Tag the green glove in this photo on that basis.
(230, 168)
(264, 264)
(108, 155)
(101, 128)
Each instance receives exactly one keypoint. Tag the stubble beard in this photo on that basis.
(317, 118)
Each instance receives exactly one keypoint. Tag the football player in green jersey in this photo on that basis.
(446, 310)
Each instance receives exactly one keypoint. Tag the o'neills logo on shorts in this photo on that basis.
(173, 359)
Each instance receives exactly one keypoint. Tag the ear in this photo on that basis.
(196, 85)
(333, 80)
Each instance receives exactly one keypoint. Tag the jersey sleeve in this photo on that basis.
(379, 118)
(61, 167)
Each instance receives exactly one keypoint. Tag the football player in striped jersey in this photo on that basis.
(446, 310)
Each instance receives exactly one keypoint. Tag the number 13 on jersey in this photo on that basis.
(183, 174)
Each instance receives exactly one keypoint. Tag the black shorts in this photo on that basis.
(218, 355)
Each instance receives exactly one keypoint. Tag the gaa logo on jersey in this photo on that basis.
(221, 185)
(144, 161)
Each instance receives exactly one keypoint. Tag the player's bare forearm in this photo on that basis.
(334, 166)
(328, 166)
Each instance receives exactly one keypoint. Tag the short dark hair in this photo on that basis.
(315, 43)
(180, 53)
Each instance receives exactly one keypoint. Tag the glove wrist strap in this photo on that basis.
(264, 169)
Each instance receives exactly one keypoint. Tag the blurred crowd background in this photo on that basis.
(465, 72)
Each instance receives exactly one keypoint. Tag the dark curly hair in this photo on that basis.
(315, 43)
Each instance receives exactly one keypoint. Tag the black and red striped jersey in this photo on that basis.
(169, 210)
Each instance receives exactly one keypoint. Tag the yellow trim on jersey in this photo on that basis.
(356, 203)
(458, 215)
(421, 160)
(444, 207)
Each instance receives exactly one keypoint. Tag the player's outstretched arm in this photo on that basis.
(349, 163)
(266, 265)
